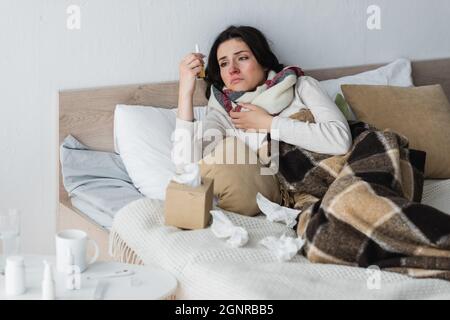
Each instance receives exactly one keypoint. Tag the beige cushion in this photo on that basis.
(422, 114)
(238, 180)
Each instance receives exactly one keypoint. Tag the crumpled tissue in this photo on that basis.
(222, 227)
(190, 175)
(284, 248)
(275, 212)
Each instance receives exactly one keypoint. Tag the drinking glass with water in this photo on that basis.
(9, 234)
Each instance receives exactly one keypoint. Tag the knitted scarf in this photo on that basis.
(274, 95)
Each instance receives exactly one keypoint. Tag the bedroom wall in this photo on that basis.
(138, 41)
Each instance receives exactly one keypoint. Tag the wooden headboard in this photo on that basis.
(88, 114)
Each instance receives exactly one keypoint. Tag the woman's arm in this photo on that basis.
(188, 137)
(330, 134)
(194, 139)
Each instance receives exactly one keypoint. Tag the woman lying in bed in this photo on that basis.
(250, 91)
(358, 189)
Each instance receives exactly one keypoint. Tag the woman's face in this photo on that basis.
(239, 69)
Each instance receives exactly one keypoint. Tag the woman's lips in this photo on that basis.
(235, 80)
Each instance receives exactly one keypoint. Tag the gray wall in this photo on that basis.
(137, 41)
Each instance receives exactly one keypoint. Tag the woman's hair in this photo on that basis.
(257, 43)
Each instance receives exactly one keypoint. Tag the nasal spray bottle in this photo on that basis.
(72, 273)
(48, 284)
(202, 74)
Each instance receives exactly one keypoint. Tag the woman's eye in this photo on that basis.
(224, 64)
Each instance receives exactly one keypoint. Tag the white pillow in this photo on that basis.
(397, 73)
(142, 137)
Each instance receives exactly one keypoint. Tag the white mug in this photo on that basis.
(73, 242)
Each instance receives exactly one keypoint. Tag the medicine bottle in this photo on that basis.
(15, 276)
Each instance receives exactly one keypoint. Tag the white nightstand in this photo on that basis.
(146, 283)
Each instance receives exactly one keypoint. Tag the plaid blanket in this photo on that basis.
(363, 208)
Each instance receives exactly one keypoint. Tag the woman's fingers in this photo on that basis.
(196, 71)
(237, 121)
(250, 106)
(238, 125)
(195, 67)
(193, 63)
(237, 115)
(185, 67)
(192, 57)
(196, 63)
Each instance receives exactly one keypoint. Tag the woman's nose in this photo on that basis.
(233, 69)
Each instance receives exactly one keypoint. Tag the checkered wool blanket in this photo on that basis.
(363, 208)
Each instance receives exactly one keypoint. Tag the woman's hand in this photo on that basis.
(189, 69)
(256, 118)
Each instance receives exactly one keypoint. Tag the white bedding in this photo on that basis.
(207, 268)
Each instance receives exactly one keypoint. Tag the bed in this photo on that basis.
(88, 115)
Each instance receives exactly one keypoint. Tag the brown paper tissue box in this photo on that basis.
(188, 207)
